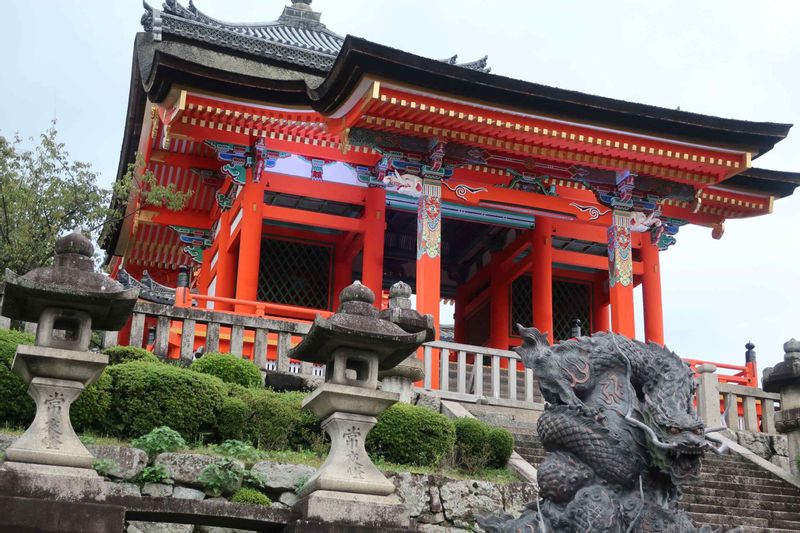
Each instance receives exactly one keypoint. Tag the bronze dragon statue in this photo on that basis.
(621, 435)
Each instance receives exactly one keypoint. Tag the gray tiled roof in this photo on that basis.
(297, 37)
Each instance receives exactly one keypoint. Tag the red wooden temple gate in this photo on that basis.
(351, 160)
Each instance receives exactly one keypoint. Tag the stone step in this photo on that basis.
(731, 491)
(748, 501)
(763, 490)
(728, 522)
(734, 493)
(718, 509)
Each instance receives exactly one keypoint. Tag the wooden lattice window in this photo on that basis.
(295, 273)
(571, 300)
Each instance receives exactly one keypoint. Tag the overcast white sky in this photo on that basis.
(731, 58)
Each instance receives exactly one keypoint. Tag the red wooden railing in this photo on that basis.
(746, 374)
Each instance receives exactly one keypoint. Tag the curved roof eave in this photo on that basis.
(360, 57)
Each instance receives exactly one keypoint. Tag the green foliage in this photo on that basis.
(501, 444)
(254, 480)
(104, 466)
(126, 354)
(229, 368)
(222, 477)
(90, 410)
(238, 450)
(301, 483)
(154, 474)
(150, 190)
(16, 407)
(146, 396)
(411, 435)
(277, 421)
(231, 418)
(479, 445)
(160, 440)
(472, 450)
(44, 194)
(251, 497)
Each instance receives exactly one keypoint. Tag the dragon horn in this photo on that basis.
(533, 335)
(724, 425)
(652, 434)
(722, 449)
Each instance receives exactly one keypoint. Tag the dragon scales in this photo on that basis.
(621, 435)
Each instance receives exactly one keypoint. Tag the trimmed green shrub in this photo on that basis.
(276, 420)
(161, 440)
(472, 446)
(146, 396)
(479, 445)
(16, 407)
(125, 354)
(501, 444)
(90, 410)
(251, 497)
(411, 435)
(229, 368)
(223, 477)
(231, 418)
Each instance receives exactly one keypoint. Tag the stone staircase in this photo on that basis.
(731, 492)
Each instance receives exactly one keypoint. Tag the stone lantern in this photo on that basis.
(401, 378)
(67, 301)
(355, 344)
(784, 379)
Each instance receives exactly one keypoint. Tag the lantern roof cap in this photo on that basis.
(71, 283)
(356, 325)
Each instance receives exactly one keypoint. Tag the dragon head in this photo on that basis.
(677, 441)
(534, 345)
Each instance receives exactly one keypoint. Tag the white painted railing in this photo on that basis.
(744, 408)
(478, 372)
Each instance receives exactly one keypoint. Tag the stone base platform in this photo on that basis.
(349, 510)
(305, 526)
(59, 483)
(31, 515)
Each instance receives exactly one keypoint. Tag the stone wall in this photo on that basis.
(772, 447)
(438, 504)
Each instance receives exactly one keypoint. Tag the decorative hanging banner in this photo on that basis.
(594, 211)
(196, 240)
(461, 190)
(195, 252)
(225, 201)
(168, 115)
(620, 258)
(429, 220)
(236, 158)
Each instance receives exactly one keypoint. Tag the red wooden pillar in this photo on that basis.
(500, 312)
(429, 246)
(542, 275)
(374, 231)
(342, 266)
(620, 274)
(225, 275)
(250, 226)
(600, 312)
(651, 293)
